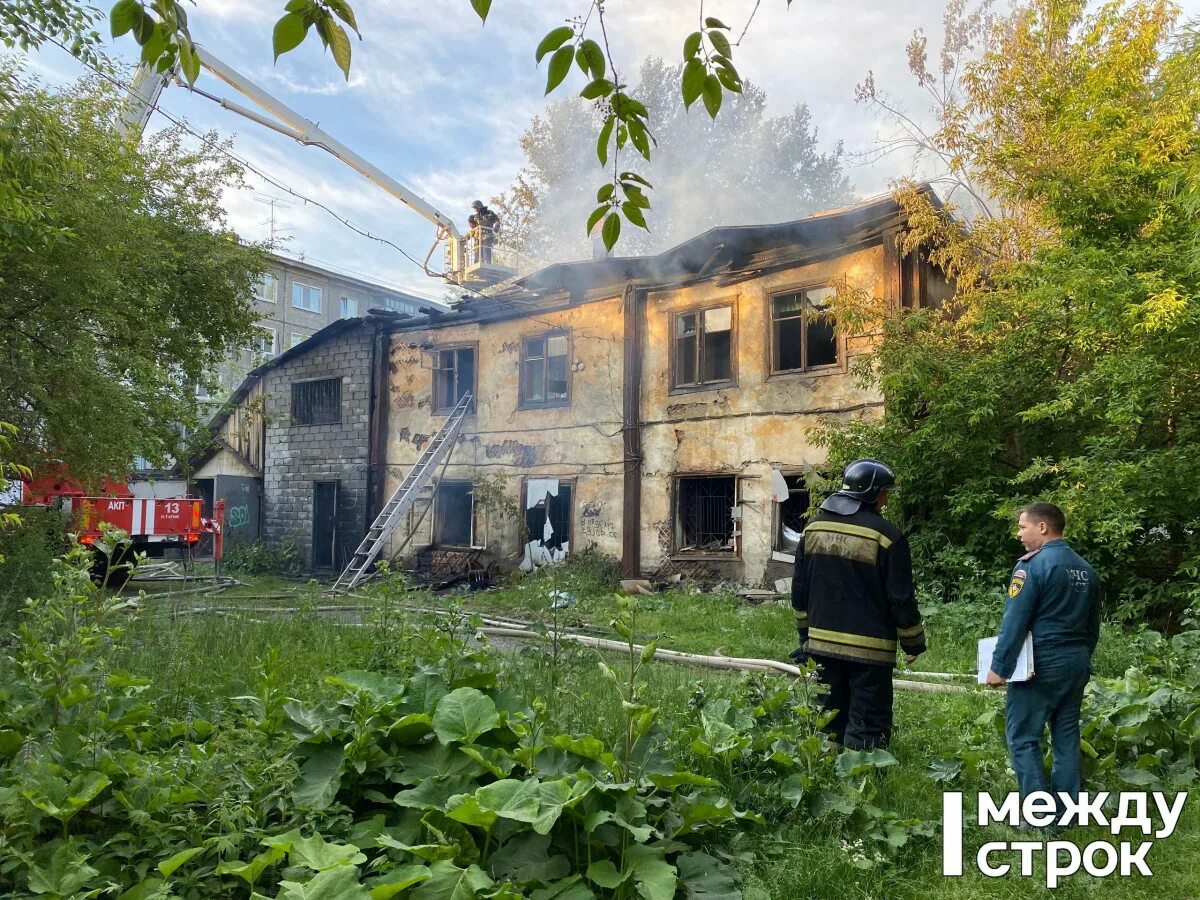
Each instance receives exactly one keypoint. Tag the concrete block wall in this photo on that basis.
(299, 455)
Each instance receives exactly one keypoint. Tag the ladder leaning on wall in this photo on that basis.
(402, 500)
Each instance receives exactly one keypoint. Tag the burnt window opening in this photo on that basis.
(454, 514)
(549, 520)
(453, 378)
(703, 347)
(804, 332)
(317, 402)
(704, 514)
(791, 514)
(544, 370)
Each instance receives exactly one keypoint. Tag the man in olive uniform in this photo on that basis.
(852, 593)
(1055, 595)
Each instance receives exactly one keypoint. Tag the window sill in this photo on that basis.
(557, 404)
(791, 374)
(699, 388)
(723, 556)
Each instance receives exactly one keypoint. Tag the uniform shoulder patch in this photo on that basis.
(1015, 586)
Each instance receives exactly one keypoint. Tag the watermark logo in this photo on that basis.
(1063, 858)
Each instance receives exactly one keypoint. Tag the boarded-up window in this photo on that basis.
(544, 368)
(453, 378)
(803, 331)
(791, 514)
(317, 402)
(704, 514)
(703, 347)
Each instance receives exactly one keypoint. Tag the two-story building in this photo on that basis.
(658, 409)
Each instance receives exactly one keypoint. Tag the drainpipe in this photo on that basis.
(378, 428)
(631, 416)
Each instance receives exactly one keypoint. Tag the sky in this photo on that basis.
(439, 101)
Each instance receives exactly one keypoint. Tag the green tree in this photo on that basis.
(1068, 367)
(744, 167)
(120, 286)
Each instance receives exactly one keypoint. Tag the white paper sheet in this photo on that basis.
(1024, 670)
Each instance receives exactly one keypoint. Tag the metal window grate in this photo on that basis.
(317, 402)
(703, 513)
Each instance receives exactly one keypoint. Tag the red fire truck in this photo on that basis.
(153, 524)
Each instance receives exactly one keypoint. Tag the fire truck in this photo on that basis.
(154, 524)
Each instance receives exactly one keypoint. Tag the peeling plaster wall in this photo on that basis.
(760, 423)
(580, 443)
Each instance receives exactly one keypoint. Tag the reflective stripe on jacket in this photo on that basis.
(852, 589)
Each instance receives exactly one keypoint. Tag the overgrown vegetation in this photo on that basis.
(122, 286)
(27, 553)
(1066, 367)
(258, 558)
(296, 756)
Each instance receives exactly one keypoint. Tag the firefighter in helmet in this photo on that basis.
(852, 593)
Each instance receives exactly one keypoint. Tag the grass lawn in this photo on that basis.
(202, 660)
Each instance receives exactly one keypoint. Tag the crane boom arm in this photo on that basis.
(148, 86)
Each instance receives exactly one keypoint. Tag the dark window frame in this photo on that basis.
(773, 342)
(438, 513)
(436, 408)
(307, 384)
(568, 482)
(522, 387)
(677, 551)
(673, 352)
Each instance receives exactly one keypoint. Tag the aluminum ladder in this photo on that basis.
(402, 499)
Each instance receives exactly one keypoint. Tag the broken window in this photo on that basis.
(704, 514)
(791, 514)
(544, 370)
(803, 331)
(453, 378)
(703, 347)
(317, 402)
(454, 514)
(547, 521)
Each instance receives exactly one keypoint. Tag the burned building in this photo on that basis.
(658, 410)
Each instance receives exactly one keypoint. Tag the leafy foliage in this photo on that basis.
(259, 558)
(1063, 370)
(122, 285)
(431, 780)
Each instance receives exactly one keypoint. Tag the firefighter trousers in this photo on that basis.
(862, 695)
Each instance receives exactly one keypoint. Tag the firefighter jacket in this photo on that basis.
(1055, 595)
(852, 590)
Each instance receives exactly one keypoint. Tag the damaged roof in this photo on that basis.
(719, 251)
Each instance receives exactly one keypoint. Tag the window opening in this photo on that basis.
(454, 377)
(805, 334)
(704, 347)
(317, 402)
(703, 514)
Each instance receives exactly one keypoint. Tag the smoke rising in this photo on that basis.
(745, 168)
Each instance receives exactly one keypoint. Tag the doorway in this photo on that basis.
(324, 524)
